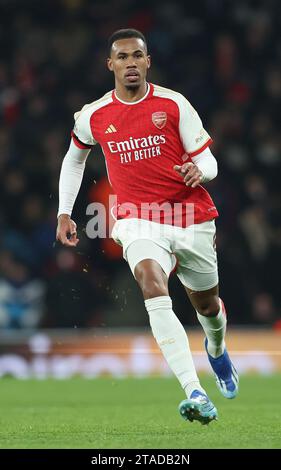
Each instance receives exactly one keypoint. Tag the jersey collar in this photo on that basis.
(148, 93)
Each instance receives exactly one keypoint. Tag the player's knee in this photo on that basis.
(209, 308)
(154, 288)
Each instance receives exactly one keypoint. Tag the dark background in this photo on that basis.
(224, 56)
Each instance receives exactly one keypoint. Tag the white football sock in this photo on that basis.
(173, 342)
(215, 328)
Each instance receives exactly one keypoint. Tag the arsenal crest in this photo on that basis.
(159, 119)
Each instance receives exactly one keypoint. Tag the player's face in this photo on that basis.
(129, 62)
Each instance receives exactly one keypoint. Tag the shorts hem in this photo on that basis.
(210, 286)
(139, 239)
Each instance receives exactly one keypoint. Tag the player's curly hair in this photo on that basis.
(125, 34)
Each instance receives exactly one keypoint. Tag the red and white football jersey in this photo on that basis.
(141, 142)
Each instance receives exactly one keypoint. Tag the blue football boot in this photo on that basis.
(227, 379)
(198, 408)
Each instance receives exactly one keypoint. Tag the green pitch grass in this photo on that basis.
(134, 413)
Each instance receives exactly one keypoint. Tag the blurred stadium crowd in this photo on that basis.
(225, 58)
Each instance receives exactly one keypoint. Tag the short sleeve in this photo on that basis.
(82, 129)
(192, 133)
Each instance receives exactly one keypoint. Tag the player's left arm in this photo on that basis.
(202, 169)
(202, 165)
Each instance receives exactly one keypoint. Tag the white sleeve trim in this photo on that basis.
(71, 175)
(206, 163)
(82, 126)
(191, 130)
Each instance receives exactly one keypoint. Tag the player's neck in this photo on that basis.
(131, 94)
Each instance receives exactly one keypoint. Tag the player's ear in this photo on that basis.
(148, 58)
(109, 64)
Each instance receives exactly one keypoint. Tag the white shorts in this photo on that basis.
(192, 249)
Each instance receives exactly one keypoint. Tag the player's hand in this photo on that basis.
(66, 231)
(191, 174)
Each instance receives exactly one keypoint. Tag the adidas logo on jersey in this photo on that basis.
(110, 129)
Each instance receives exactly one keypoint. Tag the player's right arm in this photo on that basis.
(71, 175)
